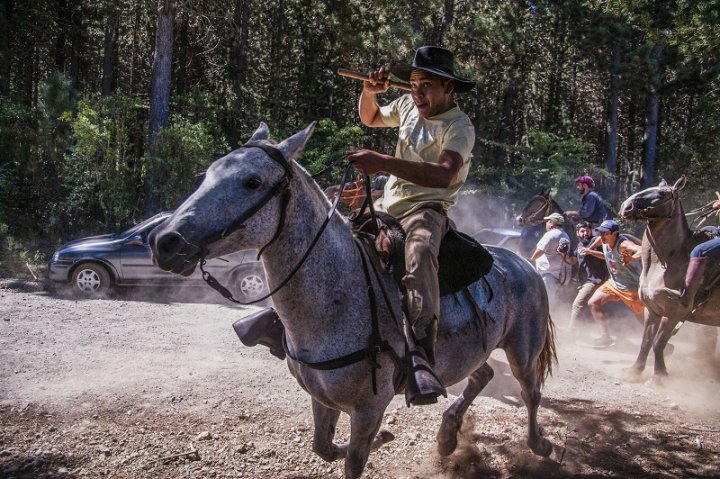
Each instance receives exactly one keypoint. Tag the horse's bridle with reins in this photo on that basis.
(642, 212)
(534, 215)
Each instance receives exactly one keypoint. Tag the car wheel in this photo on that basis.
(251, 283)
(90, 280)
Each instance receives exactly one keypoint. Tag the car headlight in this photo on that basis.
(56, 256)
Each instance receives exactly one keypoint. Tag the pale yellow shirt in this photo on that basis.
(422, 140)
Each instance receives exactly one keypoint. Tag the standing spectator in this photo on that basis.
(621, 257)
(592, 271)
(548, 260)
(592, 209)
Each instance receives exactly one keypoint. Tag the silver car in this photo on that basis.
(90, 266)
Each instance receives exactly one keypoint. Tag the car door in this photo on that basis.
(136, 264)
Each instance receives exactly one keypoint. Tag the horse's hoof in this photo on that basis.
(543, 448)
(447, 435)
(632, 375)
(658, 380)
(386, 436)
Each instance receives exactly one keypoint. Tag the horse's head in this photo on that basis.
(537, 208)
(239, 205)
(657, 202)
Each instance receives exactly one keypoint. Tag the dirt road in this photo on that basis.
(134, 387)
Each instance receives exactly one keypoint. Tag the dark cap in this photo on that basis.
(608, 225)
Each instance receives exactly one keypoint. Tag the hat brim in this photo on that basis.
(402, 73)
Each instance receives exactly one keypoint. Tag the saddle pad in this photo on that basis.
(462, 261)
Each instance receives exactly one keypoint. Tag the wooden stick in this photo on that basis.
(359, 76)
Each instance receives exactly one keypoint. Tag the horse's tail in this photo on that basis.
(548, 355)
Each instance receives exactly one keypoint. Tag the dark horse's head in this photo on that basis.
(239, 205)
(655, 203)
(540, 206)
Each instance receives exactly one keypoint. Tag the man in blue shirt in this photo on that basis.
(592, 209)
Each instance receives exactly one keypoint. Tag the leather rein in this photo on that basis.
(376, 344)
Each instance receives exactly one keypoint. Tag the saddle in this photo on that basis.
(462, 259)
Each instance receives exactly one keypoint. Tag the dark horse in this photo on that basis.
(666, 247)
(259, 197)
(531, 220)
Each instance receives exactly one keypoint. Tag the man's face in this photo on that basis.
(608, 237)
(432, 94)
(549, 225)
(581, 188)
(584, 233)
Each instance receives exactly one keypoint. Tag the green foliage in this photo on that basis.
(544, 161)
(327, 145)
(185, 149)
(102, 168)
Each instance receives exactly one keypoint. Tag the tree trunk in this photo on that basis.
(109, 51)
(159, 100)
(6, 8)
(651, 119)
(239, 67)
(505, 124)
(611, 142)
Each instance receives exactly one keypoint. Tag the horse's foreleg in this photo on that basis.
(364, 425)
(525, 371)
(649, 331)
(453, 416)
(325, 420)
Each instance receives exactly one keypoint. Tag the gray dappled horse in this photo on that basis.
(666, 247)
(258, 197)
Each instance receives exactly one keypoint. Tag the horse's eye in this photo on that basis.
(252, 183)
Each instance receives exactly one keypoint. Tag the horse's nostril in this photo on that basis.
(169, 245)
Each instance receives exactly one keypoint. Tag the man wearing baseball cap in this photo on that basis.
(548, 260)
(622, 258)
(592, 209)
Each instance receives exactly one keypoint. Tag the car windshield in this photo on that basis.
(157, 219)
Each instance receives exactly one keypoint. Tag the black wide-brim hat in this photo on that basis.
(436, 60)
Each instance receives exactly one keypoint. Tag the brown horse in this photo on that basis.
(666, 247)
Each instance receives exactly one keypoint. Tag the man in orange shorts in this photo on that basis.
(622, 258)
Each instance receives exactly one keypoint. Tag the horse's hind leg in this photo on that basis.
(525, 371)
(453, 416)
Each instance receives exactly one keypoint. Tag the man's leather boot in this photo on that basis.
(423, 386)
(693, 280)
(263, 327)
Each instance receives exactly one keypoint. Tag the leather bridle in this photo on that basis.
(282, 187)
(642, 212)
(538, 215)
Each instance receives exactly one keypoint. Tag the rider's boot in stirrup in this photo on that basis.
(423, 386)
(693, 280)
(263, 327)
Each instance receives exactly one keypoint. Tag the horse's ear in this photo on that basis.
(262, 132)
(293, 147)
(663, 183)
(546, 193)
(680, 183)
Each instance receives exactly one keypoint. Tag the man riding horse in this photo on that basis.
(430, 165)
(707, 250)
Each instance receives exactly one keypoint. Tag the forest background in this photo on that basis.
(111, 110)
